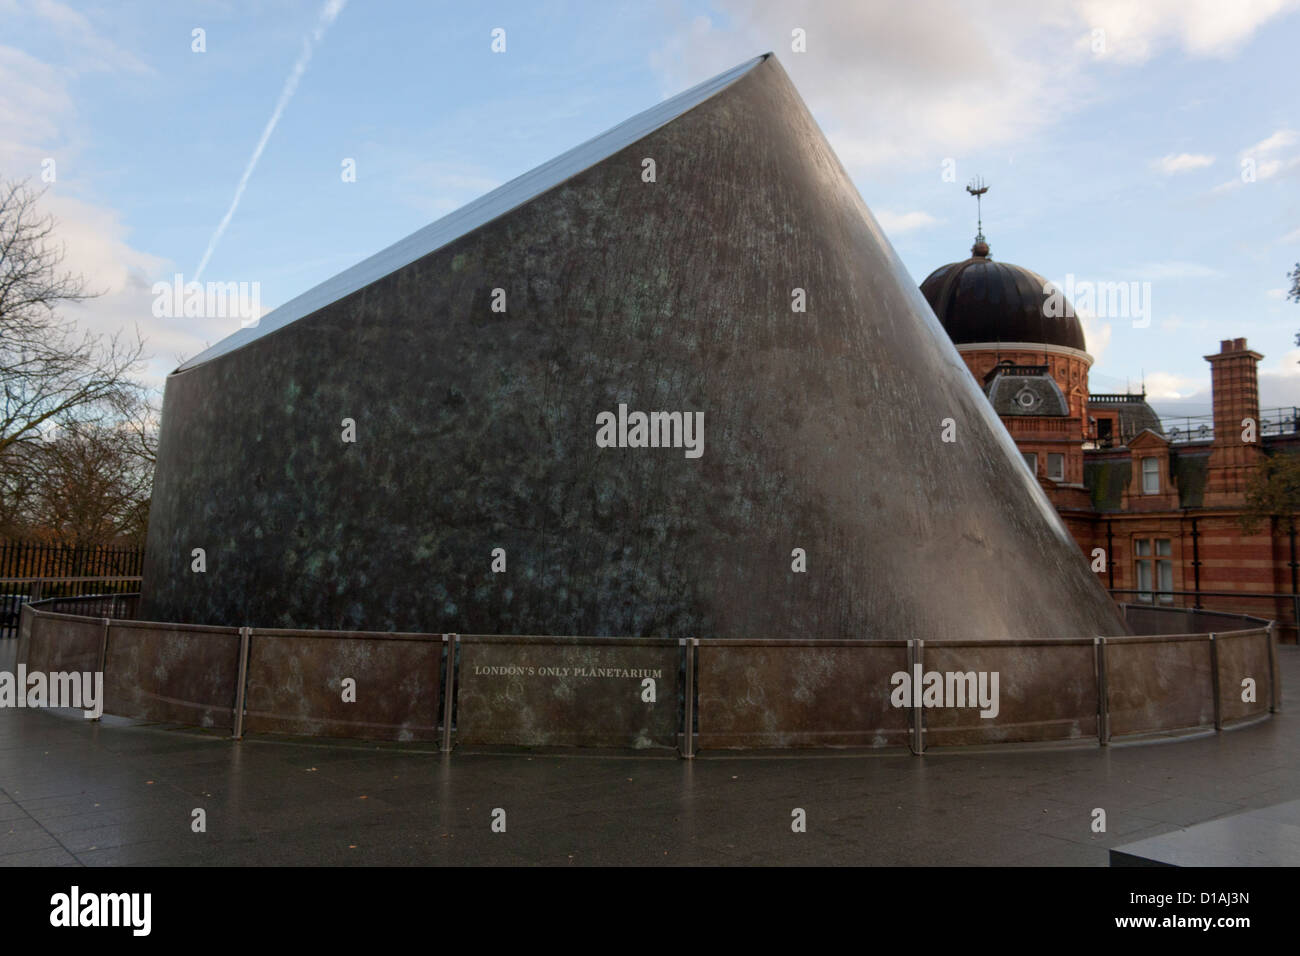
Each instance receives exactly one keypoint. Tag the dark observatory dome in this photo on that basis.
(980, 300)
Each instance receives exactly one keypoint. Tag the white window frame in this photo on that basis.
(1152, 472)
(1153, 567)
(1164, 581)
(1060, 475)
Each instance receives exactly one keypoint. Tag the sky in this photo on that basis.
(1153, 144)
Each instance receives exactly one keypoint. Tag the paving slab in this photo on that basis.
(1266, 837)
(121, 793)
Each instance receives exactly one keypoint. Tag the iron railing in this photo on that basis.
(1195, 428)
(15, 592)
(1275, 606)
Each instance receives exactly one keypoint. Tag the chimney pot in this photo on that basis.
(1239, 345)
(1225, 345)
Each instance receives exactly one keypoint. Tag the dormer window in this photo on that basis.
(1150, 476)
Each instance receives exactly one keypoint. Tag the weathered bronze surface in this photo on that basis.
(1028, 707)
(62, 643)
(295, 685)
(569, 692)
(773, 694)
(1169, 620)
(558, 691)
(824, 429)
(1162, 684)
(1243, 655)
(172, 673)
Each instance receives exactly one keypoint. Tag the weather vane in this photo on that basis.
(977, 189)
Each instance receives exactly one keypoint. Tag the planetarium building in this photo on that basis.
(708, 260)
(656, 445)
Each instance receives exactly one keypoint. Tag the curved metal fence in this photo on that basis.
(1194, 671)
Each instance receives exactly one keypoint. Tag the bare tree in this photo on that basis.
(50, 374)
(92, 488)
(76, 430)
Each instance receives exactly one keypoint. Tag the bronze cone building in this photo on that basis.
(824, 429)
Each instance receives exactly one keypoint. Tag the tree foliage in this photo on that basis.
(1273, 491)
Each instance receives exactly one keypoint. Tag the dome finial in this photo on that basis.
(977, 189)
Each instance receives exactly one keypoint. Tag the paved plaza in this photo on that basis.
(121, 792)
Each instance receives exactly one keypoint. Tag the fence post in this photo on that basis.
(245, 637)
(452, 641)
(916, 655)
(103, 656)
(1274, 683)
(1103, 694)
(1214, 674)
(25, 615)
(688, 731)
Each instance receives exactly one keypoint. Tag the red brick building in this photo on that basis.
(1156, 509)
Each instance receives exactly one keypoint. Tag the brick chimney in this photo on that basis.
(1235, 386)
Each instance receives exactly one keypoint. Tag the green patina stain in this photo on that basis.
(458, 262)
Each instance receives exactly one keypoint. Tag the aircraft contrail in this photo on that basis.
(328, 14)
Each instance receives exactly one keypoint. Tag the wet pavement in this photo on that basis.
(120, 792)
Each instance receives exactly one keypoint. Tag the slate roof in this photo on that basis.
(981, 300)
(1106, 479)
(1035, 395)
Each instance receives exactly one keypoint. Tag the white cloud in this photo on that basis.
(1279, 384)
(1168, 385)
(1206, 28)
(1291, 236)
(927, 80)
(38, 120)
(914, 82)
(33, 109)
(1260, 165)
(96, 247)
(1276, 293)
(1280, 139)
(896, 222)
(1174, 270)
(1271, 167)
(1096, 335)
(1279, 387)
(1181, 162)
